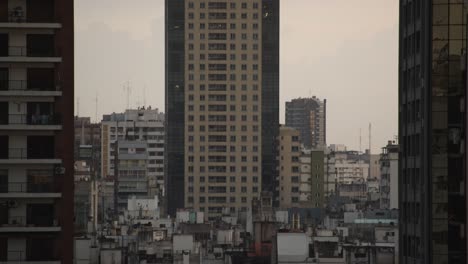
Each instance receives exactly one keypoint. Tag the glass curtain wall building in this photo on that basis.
(432, 118)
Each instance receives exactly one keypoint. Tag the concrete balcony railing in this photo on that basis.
(34, 120)
(33, 224)
(27, 156)
(29, 54)
(20, 257)
(23, 85)
(30, 190)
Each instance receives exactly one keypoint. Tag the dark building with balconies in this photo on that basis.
(432, 131)
(36, 131)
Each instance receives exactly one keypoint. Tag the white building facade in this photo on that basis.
(389, 176)
(140, 125)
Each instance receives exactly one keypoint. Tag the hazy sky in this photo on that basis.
(341, 50)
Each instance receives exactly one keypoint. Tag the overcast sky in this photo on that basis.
(341, 50)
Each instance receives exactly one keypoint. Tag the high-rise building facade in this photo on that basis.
(222, 99)
(36, 131)
(432, 131)
(308, 115)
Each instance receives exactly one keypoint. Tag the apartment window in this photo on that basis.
(244, 26)
(244, 5)
(244, 36)
(233, 5)
(232, 179)
(243, 189)
(190, 56)
(255, 46)
(232, 189)
(255, 16)
(202, 46)
(233, 87)
(233, 15)
(202, 199)
(294, 199)
(244, 15)
(233, 36)
(202, 5)
(191, 67)
(190, 16)
(202, 25)
(255, 189)
(244, 56)
(202, 15)
(232, 199)
(244, 179)
(190, 25)
(232, 46)
(244, 200)
(244, 67)
(255, 5)
(190, 5)
(202, 35)
(233, 56)
(232, 26)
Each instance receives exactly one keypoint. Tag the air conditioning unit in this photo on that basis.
(12, 204)
(59, 170)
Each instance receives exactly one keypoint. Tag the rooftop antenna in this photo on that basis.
(128, 90)
(144, 95)
(96, 109)
(370, 138)
(360, 141)
(77, 106)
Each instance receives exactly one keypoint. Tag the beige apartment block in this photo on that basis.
(223, 99)
(289, 167)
